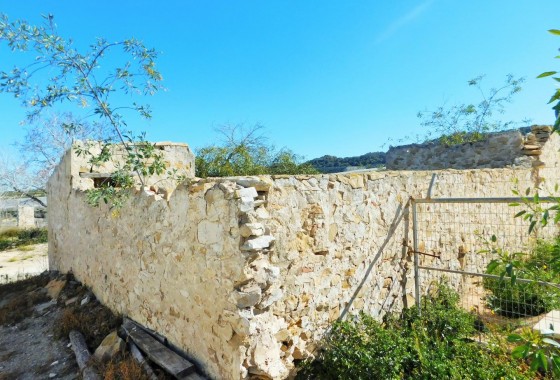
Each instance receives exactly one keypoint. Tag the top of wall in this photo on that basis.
(83, 175)
(502, 149)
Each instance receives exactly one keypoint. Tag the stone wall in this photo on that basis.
(246, 274)
(498, 150)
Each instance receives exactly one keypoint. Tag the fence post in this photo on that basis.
(416, 260)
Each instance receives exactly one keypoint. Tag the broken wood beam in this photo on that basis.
(83, 356)
(171, 362)
(137, 355)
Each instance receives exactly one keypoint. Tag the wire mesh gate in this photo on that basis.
(501, 271)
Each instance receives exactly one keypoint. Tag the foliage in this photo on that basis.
(433, 345)
(511, 297)
(246, 153)
(541, 351)
(556, 96)
(464, 123)
(90, 84)
(16, 237)
(333, 164)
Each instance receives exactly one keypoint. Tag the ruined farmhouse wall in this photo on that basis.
(245, 274)
(171, 265)
(498, 150)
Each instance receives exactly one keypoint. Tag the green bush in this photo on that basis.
(435, 345)
(515, 299)
(15, 237)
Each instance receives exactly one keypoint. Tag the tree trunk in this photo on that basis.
(82, 356)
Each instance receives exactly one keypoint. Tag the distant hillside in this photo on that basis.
(333, 164)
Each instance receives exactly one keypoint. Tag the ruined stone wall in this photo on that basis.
(498, 150)
(172, 265)
(246, 274)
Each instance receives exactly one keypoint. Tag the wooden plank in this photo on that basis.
(172, 363)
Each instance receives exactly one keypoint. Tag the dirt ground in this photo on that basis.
(28, 349)
(36, 316)
(21, 263)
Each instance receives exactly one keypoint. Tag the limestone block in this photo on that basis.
(271, 297)
(248, 297)
(251, 229)
(246, 192)
(247, 204)
(259, 183)
(262, 213)
(258, 243)
(54, 287)
(531, 152)
(109, 347)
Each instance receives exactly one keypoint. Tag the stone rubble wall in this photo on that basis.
(177, 157)
(343, 243)
(246, 273)
(498, 150)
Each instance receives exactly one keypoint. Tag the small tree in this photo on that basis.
(61, 73)
(243, 152)
(471, 122)
(43, 144)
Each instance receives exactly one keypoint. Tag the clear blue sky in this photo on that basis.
(323, 77)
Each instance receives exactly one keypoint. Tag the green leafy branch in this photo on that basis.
(70, 76)
(542, 352)
(556, 96)
(471, 122)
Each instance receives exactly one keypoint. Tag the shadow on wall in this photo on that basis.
(400, 215)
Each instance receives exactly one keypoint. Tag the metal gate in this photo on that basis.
(501, 271)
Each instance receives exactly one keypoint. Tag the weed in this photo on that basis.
(433, 345)
(514, 299)
(16, 237)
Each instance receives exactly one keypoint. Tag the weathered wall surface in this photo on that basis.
(509, 148)
(185, 265)
(344, 242)
(245, 274)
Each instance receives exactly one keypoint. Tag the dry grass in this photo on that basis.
(125, 369)
(21, 307)
(9, 232)
(20, 298)
(26, 248)
(93, 320)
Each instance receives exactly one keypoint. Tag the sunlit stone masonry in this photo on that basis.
(245, 274)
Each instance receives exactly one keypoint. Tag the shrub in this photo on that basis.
(15, 237)
(433, 345)
(515, 299)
